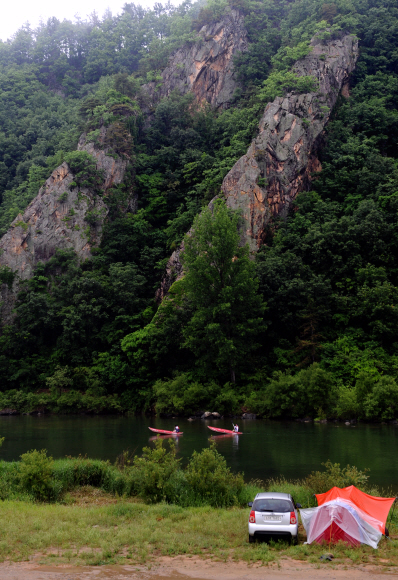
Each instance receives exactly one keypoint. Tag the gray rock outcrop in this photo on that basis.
(56, 219)
(279, 162)
(205, 67)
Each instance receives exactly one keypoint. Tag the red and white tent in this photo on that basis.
(347, 515)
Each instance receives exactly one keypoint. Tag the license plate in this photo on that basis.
(272, 518)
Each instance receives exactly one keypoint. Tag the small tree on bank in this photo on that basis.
(222, 290)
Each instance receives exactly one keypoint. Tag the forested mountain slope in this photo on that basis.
(307, 327)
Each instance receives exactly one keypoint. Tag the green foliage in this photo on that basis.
(211, 12)
(287, 56)
(280, 82)
(35, 470)
(222, 291)
(85, 172)
(309, 392)
(334, 475)
(211, 481)
(382, 401)
(184, 396)
(7, 276)
(153, 470)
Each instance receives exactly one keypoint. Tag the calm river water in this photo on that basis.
(266, 449)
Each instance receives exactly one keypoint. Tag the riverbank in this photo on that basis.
(97, 529)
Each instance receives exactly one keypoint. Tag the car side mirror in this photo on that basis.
(298, 505)
(250, 504)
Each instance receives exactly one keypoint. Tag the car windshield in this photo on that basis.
(273, 505)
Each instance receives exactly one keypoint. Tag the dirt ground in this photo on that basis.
(184, 568)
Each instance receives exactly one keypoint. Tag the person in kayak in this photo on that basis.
(176, 429)
(236, 428)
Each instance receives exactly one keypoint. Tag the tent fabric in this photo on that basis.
(376, 507)
(340, 519)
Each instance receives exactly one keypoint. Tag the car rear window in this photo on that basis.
(273, 505)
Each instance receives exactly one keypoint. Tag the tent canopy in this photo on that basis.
(376, 507)
(340, 520)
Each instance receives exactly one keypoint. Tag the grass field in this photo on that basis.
(96, 528)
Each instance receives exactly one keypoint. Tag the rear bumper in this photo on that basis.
(289, 531)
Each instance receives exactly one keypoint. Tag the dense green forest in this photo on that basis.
(310, 327)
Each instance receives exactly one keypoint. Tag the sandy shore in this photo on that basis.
(183, 568)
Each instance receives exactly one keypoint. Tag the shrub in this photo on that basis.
(334, 475)
(211, 481)
(151, 472)
(35, 474)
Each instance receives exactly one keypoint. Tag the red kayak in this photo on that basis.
(227, 431)
(163, 432)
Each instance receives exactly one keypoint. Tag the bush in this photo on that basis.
(151, 472)
(334, 475)
(211, 481)
(35, 474)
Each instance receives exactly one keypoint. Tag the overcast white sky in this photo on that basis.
(16, 12)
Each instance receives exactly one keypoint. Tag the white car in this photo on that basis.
(273, 515)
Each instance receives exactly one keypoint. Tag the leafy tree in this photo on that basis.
(222, 291)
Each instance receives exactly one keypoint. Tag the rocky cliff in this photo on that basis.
(58, 218)
(206, 67)
(279, 163)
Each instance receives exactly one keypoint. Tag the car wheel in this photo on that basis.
(252, 539)
(294, 540)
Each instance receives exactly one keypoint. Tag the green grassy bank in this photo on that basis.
(97, 528)
(83, 511)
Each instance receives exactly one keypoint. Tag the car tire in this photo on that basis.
(252, 539)
(294, 541)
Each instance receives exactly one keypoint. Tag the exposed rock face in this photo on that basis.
(205, 68)
(173, 272)
(56, 219)
(279, 162)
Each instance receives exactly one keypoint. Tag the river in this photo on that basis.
(266, 449)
